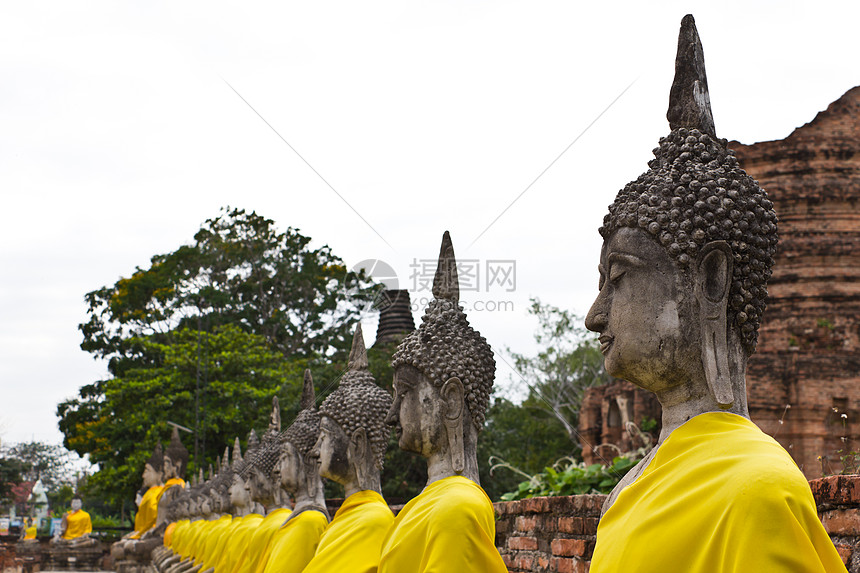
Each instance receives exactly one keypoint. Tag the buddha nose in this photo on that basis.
(596, 318)
(391, 417)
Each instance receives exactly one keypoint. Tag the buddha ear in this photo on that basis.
(357, 451)
(713, 282)
(453, 397)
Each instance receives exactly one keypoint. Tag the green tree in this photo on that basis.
(568, 363)
(204, 337)
(53, 464)
(120, 430)
(240, 270)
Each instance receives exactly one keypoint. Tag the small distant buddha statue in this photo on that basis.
(263, 493)
(352, 442)
(293, 545)
(245, 521)
(173, 470)
(147, 508)
(688, 249)
(76, 525)
(443, 375)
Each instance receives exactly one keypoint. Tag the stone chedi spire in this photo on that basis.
(395, 317)
(358, 402)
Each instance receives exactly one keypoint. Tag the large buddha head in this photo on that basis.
(688, 249)
(443, 375)
(353, 435)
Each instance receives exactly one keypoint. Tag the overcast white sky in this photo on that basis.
(119, 137)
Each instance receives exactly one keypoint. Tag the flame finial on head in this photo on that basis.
(446, 284)
(689, 99)
(358, 353)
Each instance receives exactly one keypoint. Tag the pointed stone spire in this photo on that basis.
(200, 476)
(446, 284)
(275, 417)
(225, 461)
(253, 440)
(210, 474)
(237, 451)
(689, 100)
(217, 466)
(308, 396)
(358, 354)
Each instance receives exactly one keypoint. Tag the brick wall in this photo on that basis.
(556, 534)
(544, 534)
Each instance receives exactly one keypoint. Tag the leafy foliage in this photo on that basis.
(526, 436)
(120, 430)
(569, 362)
(573, 478)
(216, 327)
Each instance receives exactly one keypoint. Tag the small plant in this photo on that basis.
(570, 477)
(824, 323)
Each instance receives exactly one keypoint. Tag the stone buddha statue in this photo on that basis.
(443, 375)
(147, 508)
(76, 525)
(292, 546)
(350, 449)
(173, 471)
(688, 249)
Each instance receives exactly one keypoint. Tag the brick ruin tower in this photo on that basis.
(803, 381)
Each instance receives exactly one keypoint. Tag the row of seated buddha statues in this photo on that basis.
(265, 511)
(688, 249)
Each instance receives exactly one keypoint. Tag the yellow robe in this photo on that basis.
(171, 532)
(78, 523)
(240, 536)
(351, 543)
(30, 532)
(212, 545)
(719, 495)
(259, 541)
(449, 527)
(292, 546)
(147, 511)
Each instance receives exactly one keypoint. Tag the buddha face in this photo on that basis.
(239, 496)
(416, 412)
(76, 504)
(259, 486)
(289, 467)
(331, 451)
(646, 314)
(150, 477)
(206, 505)
(169, 468)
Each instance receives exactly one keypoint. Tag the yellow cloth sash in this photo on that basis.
(719, 495)
(30, 532)
(450, 526)
(147, 511)
(351, 543)
(211, 547)
(238, 540)
(256, 547)
(170, 532)
(78, 523)
(292, 546)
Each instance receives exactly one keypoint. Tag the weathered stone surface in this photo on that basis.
(803, 381)
(689, 100)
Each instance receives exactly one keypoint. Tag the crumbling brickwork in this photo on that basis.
(557, 534)
(804, 380)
